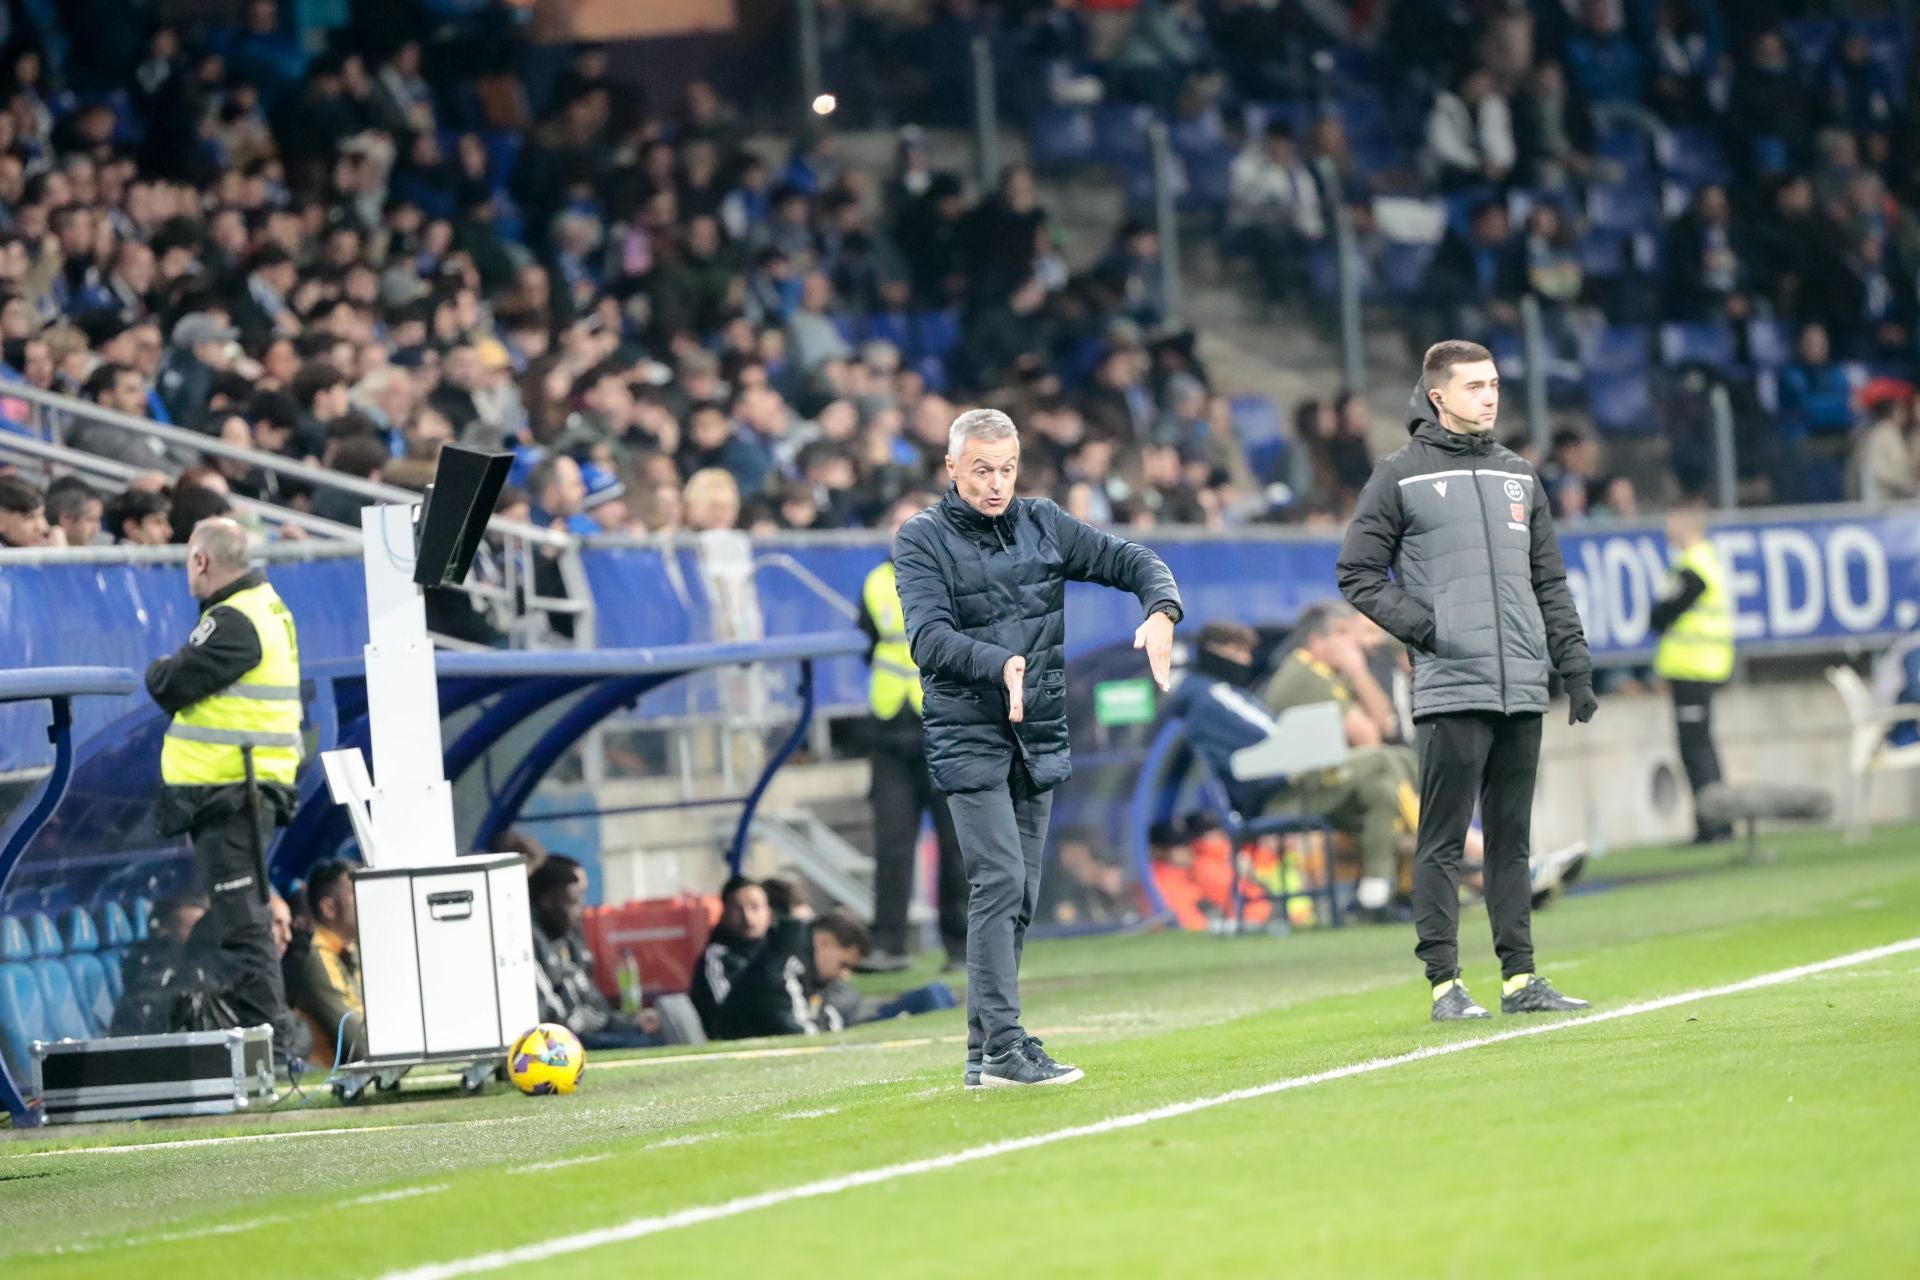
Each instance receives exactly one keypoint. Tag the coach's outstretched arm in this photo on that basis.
(1368, 553)
(936, 644)
(1089, 555)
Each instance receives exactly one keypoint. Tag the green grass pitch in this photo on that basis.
(1769, 1132)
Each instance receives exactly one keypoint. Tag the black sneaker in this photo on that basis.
(1025, 1064)
(971, 1079)
(1538, 996)
(1455, 1005)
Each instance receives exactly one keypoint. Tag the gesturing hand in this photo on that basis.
(1015, 675)
(1156, 637)
(1581, 704)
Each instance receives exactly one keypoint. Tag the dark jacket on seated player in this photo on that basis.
(157, 970)
(564, 978)
(741, 933)
(787, 986)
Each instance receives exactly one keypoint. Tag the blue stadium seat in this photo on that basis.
(891, 326)
(1062, 136)
(1509, 352)
(1615, 348)
(1209, 177)
(1256, 423)
(936, 335)
(1603, 253)
(1621, 403)
(88, 971)
(22, 1010)
(1363, 117)
(1626, 148)
(1323, 271)
(63, 1017)
(1810, 39)
(140, 913)
(1693, 157)
(1632, 205)
(116, 935)
(1120, 132)
(1403, 268)
(1698, 342)
(1769, 343)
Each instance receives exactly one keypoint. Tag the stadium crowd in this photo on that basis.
(353, 256)
(1694, 191)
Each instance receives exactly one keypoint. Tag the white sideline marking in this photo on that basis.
(271, 1137)
(635, 1228)
(403, 1193)
(688, 1140)
(165, 1237)
(806, 1050)
(561, 1164)
(811, 1115)
(209, 1142)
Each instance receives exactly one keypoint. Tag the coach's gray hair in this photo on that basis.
(223, 542)
(984, 425)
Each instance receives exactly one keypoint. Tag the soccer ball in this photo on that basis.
(547, 1059)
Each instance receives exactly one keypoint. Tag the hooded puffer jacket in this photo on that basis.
(979, 590)
(1452, 550)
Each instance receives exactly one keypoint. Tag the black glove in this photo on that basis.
(1581, 704)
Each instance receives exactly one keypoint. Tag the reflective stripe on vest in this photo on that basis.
(895, 681)
(260, 710)
(1699, 645)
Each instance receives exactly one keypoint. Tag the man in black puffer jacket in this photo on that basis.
(1479, 595)
(983, 577)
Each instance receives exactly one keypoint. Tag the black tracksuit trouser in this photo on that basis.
(1492, 759)
(902, 792)
(236, 934)
(1693, 725)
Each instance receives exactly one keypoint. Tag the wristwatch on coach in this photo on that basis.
(1171, 610)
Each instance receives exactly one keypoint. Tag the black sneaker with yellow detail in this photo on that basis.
(1531, 993)
(1451, 1003)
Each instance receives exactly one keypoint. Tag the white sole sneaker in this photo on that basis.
(1066, 1077)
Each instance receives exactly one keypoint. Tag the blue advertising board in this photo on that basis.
(1808, 582)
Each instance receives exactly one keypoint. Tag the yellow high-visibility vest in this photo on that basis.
(1699, 645)
(260, 710)
(895, 681)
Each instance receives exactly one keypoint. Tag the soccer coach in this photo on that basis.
(1479, 596)
(983, 577)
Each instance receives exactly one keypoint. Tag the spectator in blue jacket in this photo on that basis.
(1602, 61)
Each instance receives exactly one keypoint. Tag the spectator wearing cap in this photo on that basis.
(202, 347)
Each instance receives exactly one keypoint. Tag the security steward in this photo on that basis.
(903, 789)
(1695, 656)
(1452, 551)
(229, 761)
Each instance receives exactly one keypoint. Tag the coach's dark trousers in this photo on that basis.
(1002, 832)
(1492, 759)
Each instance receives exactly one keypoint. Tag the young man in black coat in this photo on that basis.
(1452, 551)
(983, 577)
